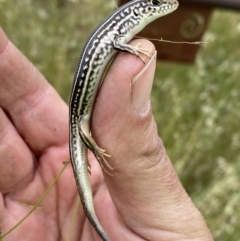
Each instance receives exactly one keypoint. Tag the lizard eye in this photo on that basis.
(155, 2)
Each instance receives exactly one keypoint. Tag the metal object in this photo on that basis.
(193, 26)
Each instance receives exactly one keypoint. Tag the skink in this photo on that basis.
(108, 38)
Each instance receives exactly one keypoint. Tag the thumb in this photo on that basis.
(145, 190)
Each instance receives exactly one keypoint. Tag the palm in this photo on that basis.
(55, 218)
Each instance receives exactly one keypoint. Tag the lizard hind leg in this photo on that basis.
(98, 152)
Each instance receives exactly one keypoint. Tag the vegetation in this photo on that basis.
(197, 107)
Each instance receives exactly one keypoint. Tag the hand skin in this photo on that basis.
(144, 201)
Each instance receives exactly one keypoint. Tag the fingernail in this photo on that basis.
(142, 86)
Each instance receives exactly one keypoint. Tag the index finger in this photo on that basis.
(34, 107)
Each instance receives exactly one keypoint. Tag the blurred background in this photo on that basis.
(196, 95)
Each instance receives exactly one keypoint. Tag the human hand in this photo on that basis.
(147, 201)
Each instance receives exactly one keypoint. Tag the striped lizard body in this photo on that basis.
(108, 38)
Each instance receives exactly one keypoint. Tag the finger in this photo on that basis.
(146, 189)
(36, 110)
(16, 160)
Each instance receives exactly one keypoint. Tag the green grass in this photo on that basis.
(197, 107)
